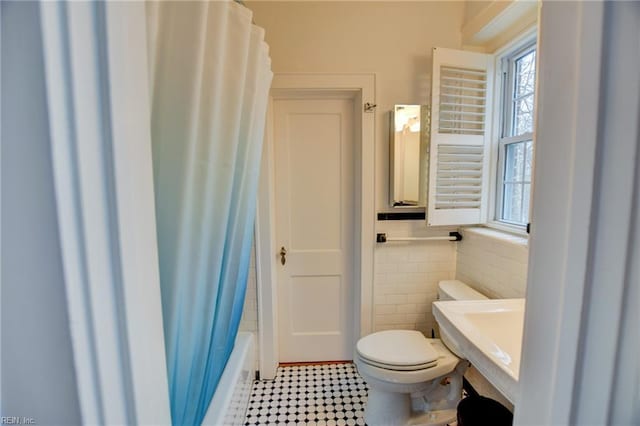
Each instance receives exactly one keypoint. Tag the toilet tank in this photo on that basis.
(457, 290)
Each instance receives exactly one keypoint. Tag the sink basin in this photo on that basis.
(489, 334)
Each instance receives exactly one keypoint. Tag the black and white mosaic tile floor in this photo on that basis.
(320, 395)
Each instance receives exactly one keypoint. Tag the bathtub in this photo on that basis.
(229, 403)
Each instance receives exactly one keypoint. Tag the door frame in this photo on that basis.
(581, 304)
(361, 88)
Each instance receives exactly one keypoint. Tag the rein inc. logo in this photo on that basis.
(17, 420)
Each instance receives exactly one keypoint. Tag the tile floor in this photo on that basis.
(322, 394)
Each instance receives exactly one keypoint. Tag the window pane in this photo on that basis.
(525, 74)
(528, 161)
(512, 202)
(523, 115)
(517, 182)
(514, 161)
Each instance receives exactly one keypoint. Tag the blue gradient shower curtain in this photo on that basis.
(210, 75)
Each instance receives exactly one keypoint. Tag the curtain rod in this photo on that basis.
(241, 3)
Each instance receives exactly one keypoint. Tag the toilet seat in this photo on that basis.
(392, 376)
(398, 350)
(397, 367)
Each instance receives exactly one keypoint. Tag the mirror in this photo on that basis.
(408, 155)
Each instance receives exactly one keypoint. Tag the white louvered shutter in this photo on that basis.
(460, 126)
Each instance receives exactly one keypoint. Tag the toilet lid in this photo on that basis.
(401, 348)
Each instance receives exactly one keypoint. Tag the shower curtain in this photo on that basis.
(209, 77)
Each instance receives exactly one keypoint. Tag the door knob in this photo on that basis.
(283, 255)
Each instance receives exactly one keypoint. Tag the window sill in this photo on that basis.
(520, 231)
(491, 231)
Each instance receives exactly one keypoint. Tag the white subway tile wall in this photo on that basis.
(492, 262)
(249, 319)
(495, 264)
(407, 276)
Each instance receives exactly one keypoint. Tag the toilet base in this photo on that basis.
(387, 408)
(394, 409)
(434, 418)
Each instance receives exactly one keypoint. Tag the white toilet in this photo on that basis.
(402, 365)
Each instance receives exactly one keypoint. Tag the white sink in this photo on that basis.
(489, 334)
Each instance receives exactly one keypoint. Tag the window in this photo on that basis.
(469, 131)
(516, 139)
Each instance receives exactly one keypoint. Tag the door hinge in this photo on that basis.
(369, 107)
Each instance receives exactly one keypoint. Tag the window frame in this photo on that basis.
(516, 48)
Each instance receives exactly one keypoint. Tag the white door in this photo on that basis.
(314, 187)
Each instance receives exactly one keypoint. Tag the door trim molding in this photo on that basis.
(361, 87)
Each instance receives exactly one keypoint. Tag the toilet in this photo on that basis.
(413, 380)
